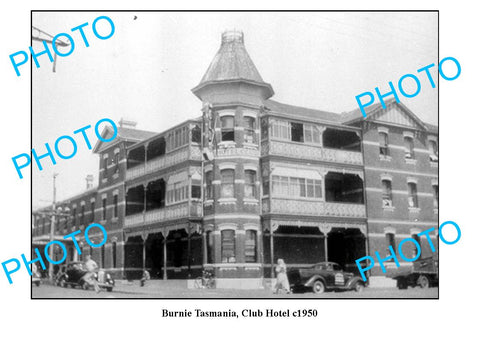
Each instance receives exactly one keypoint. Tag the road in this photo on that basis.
(134, 291)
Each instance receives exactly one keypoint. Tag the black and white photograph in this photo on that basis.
(229, 158)
(237, 170)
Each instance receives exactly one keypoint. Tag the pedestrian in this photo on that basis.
(91, 266)
(282, 279)
(145, 278)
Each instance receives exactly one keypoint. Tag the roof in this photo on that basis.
(232, 61)
(123, 133)
(432, 128)
(134, 134)
(302, 112)
(356, 115)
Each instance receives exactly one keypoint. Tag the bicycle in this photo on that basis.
(206, 281)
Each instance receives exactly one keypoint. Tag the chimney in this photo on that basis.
(89, 180)
(127, 123)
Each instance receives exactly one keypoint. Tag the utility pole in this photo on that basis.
(52, 229)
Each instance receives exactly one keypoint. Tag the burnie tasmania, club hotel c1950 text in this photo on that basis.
(281, 181)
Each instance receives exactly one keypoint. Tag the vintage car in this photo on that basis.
(36, 279)
(324, 276)
(74, 274)
(423, 273)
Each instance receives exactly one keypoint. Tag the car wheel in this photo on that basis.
(402, 284)
(359, 287)
(109, 289)
(423, 281)
(318, 287)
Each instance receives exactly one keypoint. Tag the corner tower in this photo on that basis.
(234, 92)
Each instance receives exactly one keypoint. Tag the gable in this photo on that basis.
(397, 114)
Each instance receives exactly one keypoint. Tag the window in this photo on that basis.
(297, 132)
(415, 250)
(250, 183)
(92, 209)
(208, 184)
(249, 124)
(296, 187)
(116, 161)
(311, 134)
(228, 180)
(383, 140)
(250, 246)
(102, 253)
(228, 132)
(74, 216)
(409, 148)
(209, 237)
(387, 201)
(114, 254)
(178, 191)
(82, 215)
(390, 242)
(104, 209)
(196, 190)
(280, 185)
(412, 195)
(433, 148)
(280, 129)
(435, 196)
(105, 165)
(115, 206)
(228, 245)
(196, 134)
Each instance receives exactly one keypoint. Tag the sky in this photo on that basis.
(146, 70)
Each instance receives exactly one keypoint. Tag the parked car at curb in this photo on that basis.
(74, 275)
(324, 276)
(36, 279)
(423, 273)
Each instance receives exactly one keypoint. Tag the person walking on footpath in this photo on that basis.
(145, 278)
(91, 266)
(282, 279)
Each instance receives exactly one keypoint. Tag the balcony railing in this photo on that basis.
(312, 208)
(296, 150)
(180, 210)
(165, 161)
